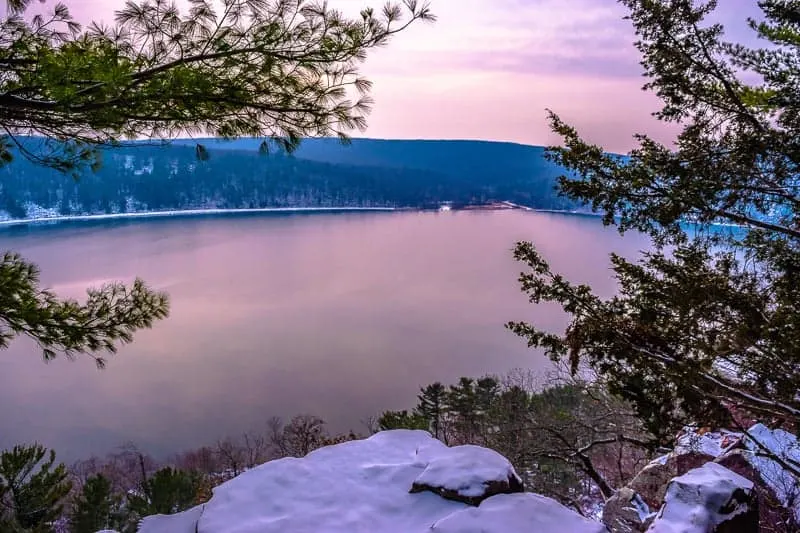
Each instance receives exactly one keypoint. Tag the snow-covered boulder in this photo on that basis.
(652, 481)
(468, 474)
(364, 487)
(517, 513)
(709, 499)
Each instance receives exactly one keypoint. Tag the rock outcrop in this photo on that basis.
(775, 495)
(468, 474)
(367, 486)
(709, 499)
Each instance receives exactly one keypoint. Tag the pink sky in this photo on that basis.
(488, 69)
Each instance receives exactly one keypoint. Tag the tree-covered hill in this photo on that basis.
(321, 173)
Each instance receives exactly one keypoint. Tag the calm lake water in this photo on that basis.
(339, 315)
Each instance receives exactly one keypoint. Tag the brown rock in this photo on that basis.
(491, 488)
(625, 512)
(651, 483)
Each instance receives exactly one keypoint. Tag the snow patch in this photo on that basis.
(511, 513)
(713, 443)
(175, 523)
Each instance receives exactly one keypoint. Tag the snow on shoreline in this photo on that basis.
(188, 213)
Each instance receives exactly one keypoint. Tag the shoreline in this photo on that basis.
(189, 213)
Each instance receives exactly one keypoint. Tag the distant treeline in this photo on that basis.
(322, 173)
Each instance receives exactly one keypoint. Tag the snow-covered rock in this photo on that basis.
(364, 487)
(785, 446)
(468, 474)
(709, 499)
(652, 481)
(517, 513)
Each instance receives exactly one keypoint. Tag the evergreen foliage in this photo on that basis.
(277, 69)
(110, 314)
(431, 406)
(402, 420)
(167, 491)
(97, 508)
(32, 489)
(705, 327)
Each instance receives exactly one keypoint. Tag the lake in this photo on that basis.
(338, 315)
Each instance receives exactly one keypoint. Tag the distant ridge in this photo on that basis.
(320, 173)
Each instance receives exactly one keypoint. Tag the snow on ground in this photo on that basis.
(785, 446)
(363, 487)
(713, 443)
(466, 469)
(517, 513)
(691, 500)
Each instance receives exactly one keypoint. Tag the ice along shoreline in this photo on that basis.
(188, 213)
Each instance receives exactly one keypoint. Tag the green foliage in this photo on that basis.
(32, 489)
(279, 69)
(402, 420)
(705, 326)
(431, 407)
(167, 491)
(96, 508)
(109, 315)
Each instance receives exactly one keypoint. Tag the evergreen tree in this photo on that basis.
(705, 326)
(432, 407)
(167, 491)
(463, 409)
(96, 508)
(486, 390)
(510, 414)
(32, 489)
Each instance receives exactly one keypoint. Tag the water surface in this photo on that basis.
(339, 315)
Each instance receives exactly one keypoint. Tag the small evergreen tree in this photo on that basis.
(96, 508)
(167, 491)
(32, 489)
(432, 407)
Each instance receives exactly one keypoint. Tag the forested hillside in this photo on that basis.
(322, 173)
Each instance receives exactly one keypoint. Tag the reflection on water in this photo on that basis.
(339, 315)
